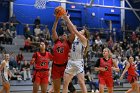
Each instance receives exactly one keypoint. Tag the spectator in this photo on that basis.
(98, 41)
(46, 32)
(19, 59)
(110, 43)
(27, 32)
(129, 52)
(1, 48)
(28, 44)
(37, 32)
(133, 37)
(1, 36)
(37, 21)
(4, 26)
(137, 43)
(124, 44)
(91, 40)
(12, 61)
(120, 65)
(13, 19)
(12, 28)
(25, 68)
(8, 37)
(16, 74)
(91, 82)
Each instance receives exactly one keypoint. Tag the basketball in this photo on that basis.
(59, 11)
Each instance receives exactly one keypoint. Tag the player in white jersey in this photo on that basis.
(5, 72)
(75, 64)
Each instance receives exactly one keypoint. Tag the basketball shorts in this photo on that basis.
(131, 79)
(108, 81)
(75, 67)
(41, 77)
(58, 71)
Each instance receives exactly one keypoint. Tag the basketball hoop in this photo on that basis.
(40, 4)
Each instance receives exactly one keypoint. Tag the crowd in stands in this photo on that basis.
(7, 33)
(120, 49)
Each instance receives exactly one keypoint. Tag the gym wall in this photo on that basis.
(92, 17)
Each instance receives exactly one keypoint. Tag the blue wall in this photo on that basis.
(102, 15)
(80, 15)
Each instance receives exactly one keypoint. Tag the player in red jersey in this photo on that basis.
(41, 69)
(61, 50)
(105, 66)
(132, 75)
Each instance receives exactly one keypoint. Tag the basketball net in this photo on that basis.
(40, 4)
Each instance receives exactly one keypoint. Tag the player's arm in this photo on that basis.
(73, 29)
(50, 56)
(97, 66)
(10, 74)
(125, 70)
(72, 35)
(54, 33)
(115, 66)
(2, 65)
(33, 60)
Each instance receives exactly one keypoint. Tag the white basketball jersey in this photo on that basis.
(76, 50)
(4, 71)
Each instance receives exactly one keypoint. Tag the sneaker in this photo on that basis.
(92, 91)
(19, 79)
(97, 91)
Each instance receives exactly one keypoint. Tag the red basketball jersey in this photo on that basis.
(42, 59)
(61, 51)
(106, 64)
(131, 70)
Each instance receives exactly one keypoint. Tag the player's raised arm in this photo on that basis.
(82, 38)
(54, 33)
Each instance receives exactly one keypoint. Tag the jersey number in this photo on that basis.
(60, 49)
(43, 64)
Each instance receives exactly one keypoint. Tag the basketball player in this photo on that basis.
(132, 75)
(5, 72)
(41, 69)
(75, 64)
(61, 50)
(105, 66)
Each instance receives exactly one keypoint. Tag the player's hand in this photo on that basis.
(102, 69)
(65, 16)
(121, 78)
(113, 68)
(56, 18)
